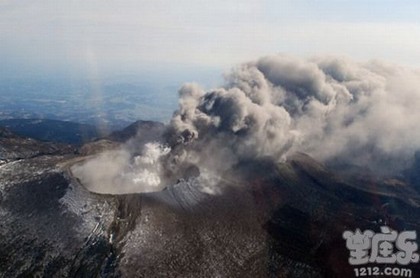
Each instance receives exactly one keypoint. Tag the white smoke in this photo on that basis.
(118, 172)
(334, 109)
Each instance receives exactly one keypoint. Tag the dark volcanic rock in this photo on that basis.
(98, 146)
(48, 227)
(144, 131)
(264, 219)
(13, 147)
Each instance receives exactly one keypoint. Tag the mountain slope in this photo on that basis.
(268, 220)
(13, 147)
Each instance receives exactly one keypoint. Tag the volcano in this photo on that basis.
(269, 219)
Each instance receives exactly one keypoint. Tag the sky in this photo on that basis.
(197, 37)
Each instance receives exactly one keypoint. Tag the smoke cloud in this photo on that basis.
(119, 172)
(334, 109)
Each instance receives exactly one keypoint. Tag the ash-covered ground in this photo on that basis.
(282, 219)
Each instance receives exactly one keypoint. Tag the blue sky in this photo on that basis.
(98, 37)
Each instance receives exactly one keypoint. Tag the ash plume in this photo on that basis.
(334, 109)
(365, 114)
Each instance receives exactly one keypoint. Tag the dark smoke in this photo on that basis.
(334, 109)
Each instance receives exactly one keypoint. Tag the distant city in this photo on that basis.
(109, 105)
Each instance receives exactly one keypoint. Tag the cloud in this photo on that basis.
(136, 35)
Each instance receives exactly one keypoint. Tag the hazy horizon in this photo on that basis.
(160, 45)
